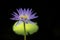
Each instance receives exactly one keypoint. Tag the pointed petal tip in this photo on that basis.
(17, 9)
(31, 9)
(28, 9)
(36, 17)
(11, 18)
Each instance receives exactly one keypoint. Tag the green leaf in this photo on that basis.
(30, 28)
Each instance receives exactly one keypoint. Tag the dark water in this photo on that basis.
(46, 10)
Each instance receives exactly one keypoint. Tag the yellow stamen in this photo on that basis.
(24, 16)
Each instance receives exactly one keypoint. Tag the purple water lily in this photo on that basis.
(23, 15)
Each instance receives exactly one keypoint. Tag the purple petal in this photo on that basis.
(33, 17)
(15, 14)
(28, 12)
(20, 11)
(24, 10)
(34, 14)
(14, 18)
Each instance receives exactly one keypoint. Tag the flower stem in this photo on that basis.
(24, 31)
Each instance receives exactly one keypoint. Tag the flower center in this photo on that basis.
(24, 17)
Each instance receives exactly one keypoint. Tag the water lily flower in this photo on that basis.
(23, 15)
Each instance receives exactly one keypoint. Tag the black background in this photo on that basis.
(46, 10)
